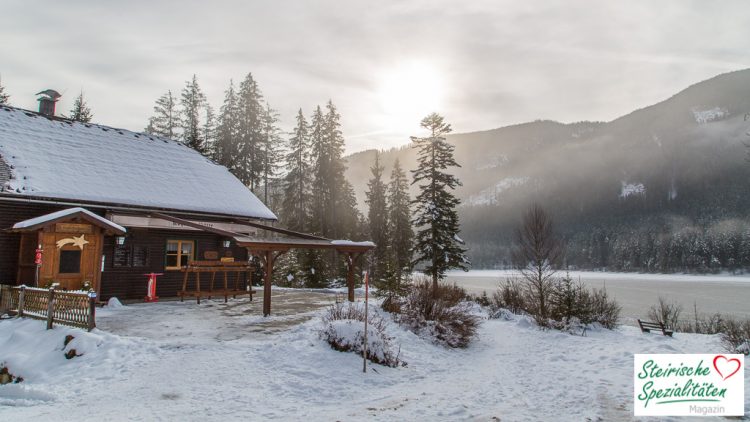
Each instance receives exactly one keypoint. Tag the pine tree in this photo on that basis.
(226, 148)
(334, 176)
(81, 112)
(249, 168)
(166, 119)
(192, 102)
(378, 221)
(318, 223)
(209, 129)
(297, 182)
(270, 149)
(399, 224)
(437, 242)
(4, 98)
(334, 205)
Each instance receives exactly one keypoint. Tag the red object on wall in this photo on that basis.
(151, 296)
(38, 257)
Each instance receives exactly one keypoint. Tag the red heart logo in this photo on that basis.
(727, 364)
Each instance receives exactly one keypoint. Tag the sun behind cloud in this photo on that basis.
(408, 92)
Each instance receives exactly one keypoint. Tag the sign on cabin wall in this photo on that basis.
(73, 228)
(159, 223)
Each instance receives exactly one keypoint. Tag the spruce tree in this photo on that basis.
(4, 97)
(297, 182)
(166, 119)
(192, 102)
(251, 110)
(316, 267)
(334, 205)
(226, 148)
(399, 224)
(335, 181)
(209, 129)
(437, 242)
(270, 149)
(378, 221)
(318, 223)
(81, 112)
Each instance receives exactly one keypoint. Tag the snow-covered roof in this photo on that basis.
(57, 215)
(352, 243)
(61, 159)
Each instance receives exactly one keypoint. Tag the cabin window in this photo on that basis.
(179, 253)
(70, 261)
(130, 256)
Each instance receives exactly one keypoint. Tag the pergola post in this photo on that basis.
(351, 260)
(269, 258)
(350, 275)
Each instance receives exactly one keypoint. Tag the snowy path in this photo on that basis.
(193, 365)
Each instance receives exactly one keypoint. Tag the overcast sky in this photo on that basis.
(385, 64)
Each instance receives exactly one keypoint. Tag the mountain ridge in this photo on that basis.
(680, 158)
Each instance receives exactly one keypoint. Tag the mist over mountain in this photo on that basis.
(664, 188)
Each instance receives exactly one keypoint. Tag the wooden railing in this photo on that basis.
(75, 309)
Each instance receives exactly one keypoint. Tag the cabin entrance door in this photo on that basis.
(71, 256)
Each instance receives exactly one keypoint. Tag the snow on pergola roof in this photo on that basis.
(43, 220)
(57, 158)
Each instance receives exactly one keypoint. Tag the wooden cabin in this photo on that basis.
(106, 206)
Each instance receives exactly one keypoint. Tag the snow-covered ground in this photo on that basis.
(637, 292)
(216, 361)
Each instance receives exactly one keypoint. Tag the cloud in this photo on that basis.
(503, 62)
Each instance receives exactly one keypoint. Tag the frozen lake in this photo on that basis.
(637, 292)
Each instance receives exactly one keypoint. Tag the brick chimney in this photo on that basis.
(47, 100)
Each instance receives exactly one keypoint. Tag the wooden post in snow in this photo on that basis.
(92, 310)
(50, 307)
(21, 297)
(364, 347)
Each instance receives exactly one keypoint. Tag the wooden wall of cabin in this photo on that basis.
(123, 282)
(129, 282)
(12, 212)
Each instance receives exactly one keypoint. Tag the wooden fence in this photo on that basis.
(75, 309)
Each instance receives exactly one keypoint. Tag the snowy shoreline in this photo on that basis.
(724, 277)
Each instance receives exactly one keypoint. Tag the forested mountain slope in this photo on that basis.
(664, 188)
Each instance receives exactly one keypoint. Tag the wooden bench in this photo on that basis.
(647, 326)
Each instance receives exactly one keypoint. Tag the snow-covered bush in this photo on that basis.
(445, 315)
(570, 306)
(344, 331)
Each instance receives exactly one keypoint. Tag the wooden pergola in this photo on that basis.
(268, 250)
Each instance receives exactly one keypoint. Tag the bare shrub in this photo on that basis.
(510, 296)
(710, 324)
(344, 331)
(736, 336)
(442, 313)
(667, 313)
(537, 252)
